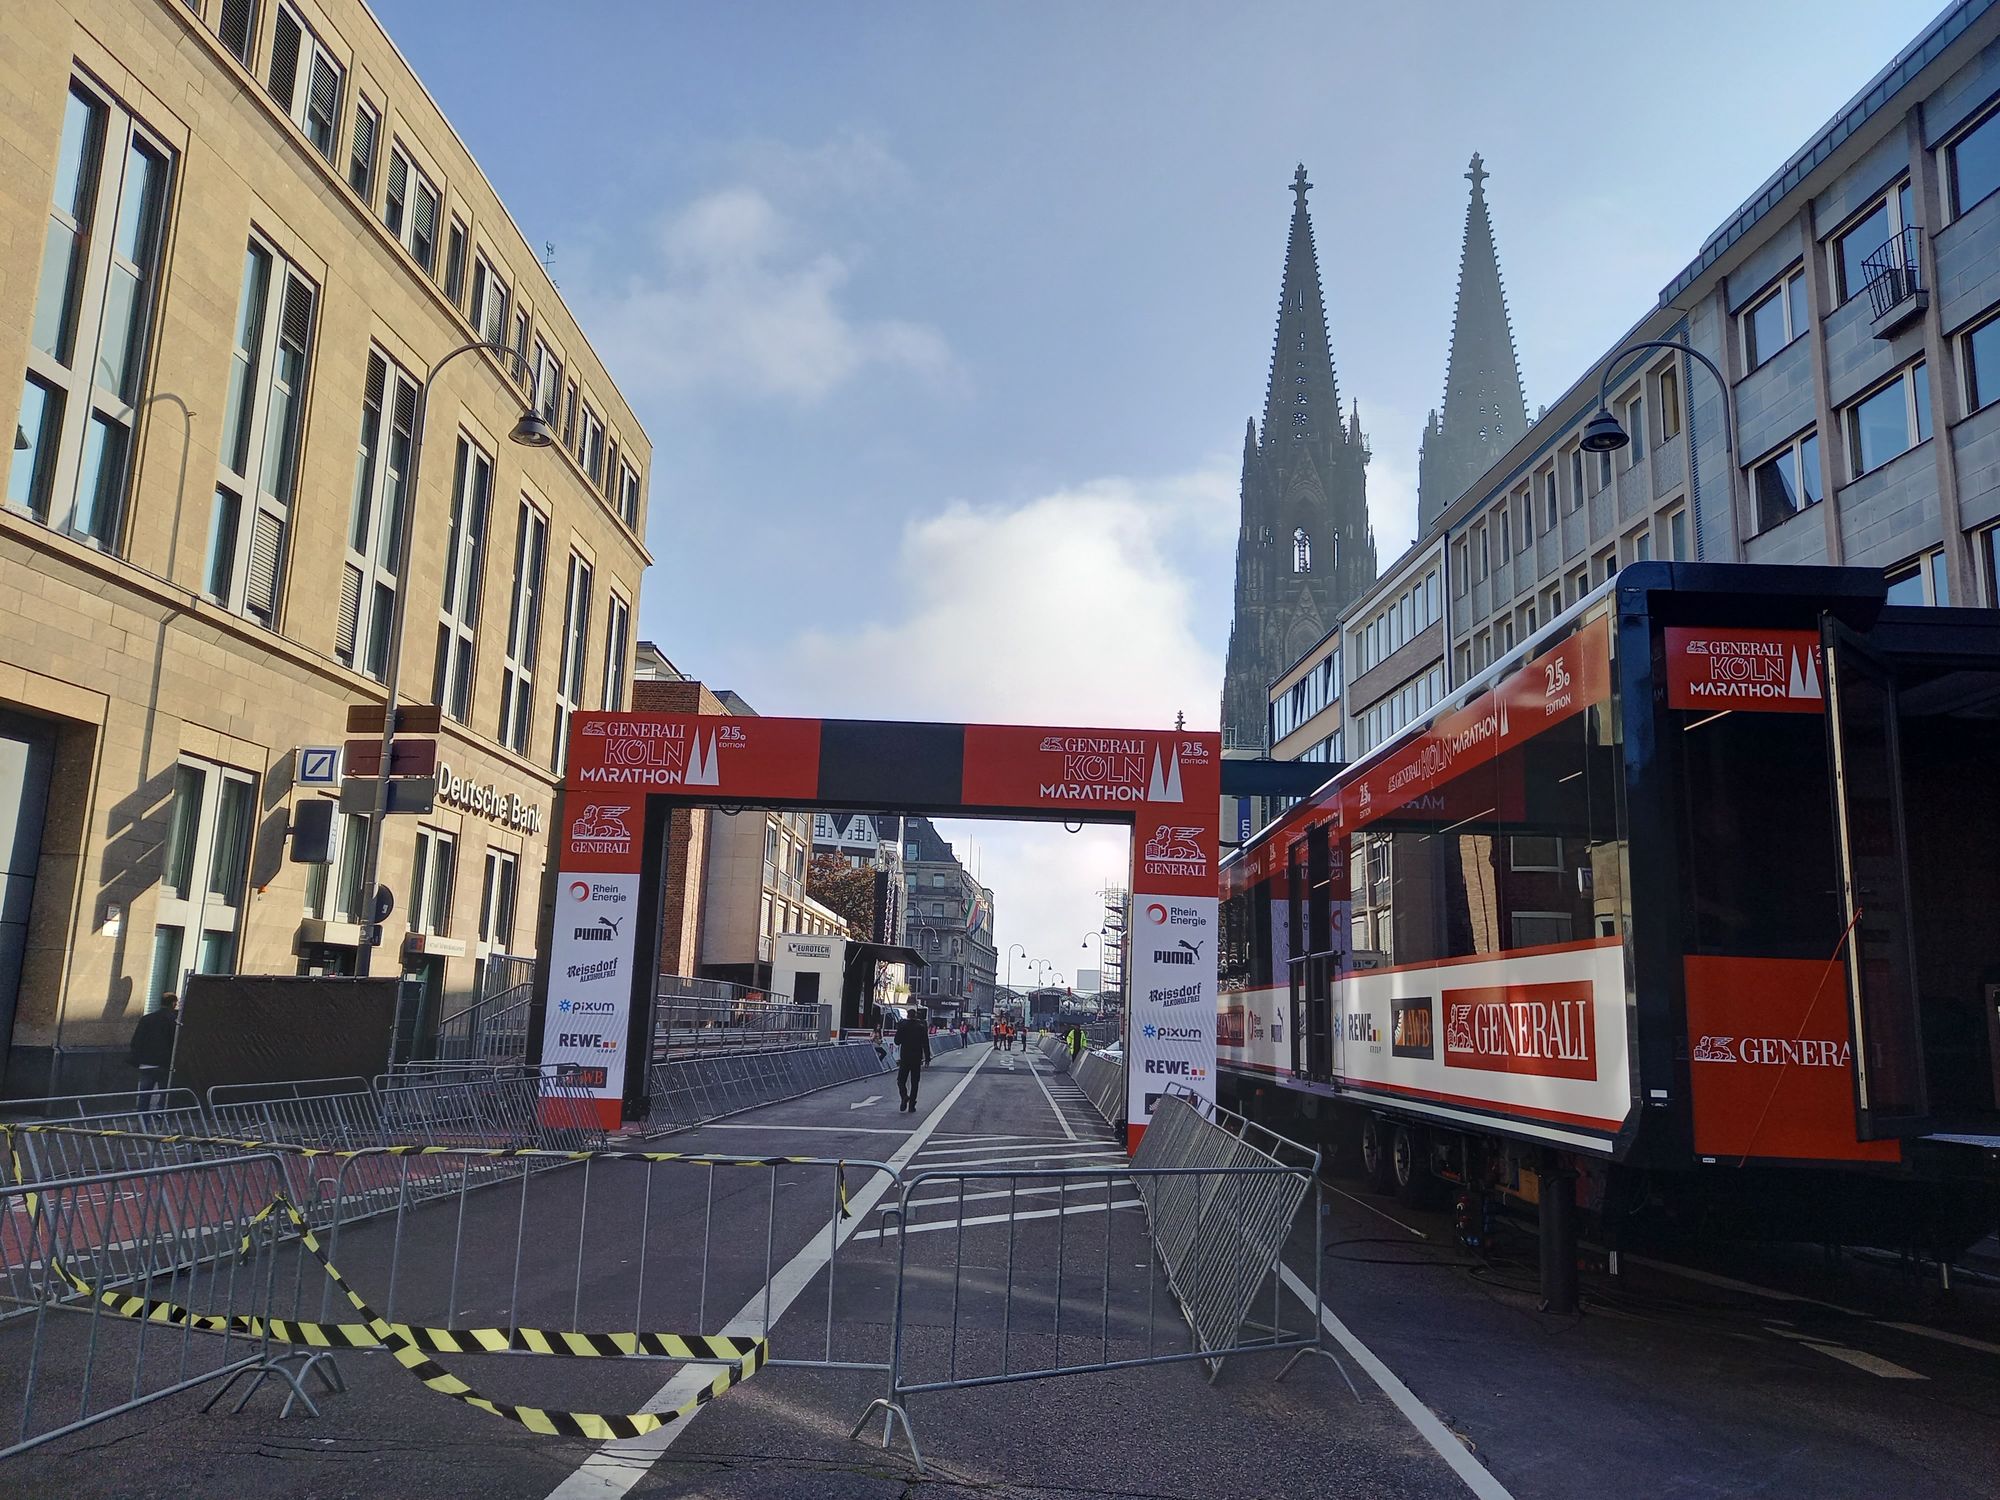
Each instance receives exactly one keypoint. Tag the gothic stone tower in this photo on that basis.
(1305, 547)
(1484, 412)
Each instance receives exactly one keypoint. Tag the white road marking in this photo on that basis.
(1096, 1186)
(1376, 1211)
(864, 1103)
(1861, 1360)
(1942, 1336)
(1054, 1149)
(997, 1143)
(1730, 1283)
(1028, 1165)
(1475, 1475)
(817, 1129)
(615, 1467)
(1061, 1118)
(1037, 1213)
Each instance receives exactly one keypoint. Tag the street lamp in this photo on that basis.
(1010, 962)
(530, 431)
(1603, 433)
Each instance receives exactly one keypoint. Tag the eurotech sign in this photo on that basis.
(627, 772)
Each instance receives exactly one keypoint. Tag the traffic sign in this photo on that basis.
(372, 934)
(411, 718)
(385, 903)
(319, 765)
(407, 757)
(407, 794)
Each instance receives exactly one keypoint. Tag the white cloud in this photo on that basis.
(1073, 608)
(1079, 607)
(743, 291)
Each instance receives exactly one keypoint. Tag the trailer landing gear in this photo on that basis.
(1556, 1197)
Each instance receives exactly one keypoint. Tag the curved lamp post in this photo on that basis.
(1604, 433)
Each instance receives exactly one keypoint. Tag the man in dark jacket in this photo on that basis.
(913, 1050)
(152, 1051)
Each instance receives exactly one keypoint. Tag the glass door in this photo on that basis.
(1890, 1093)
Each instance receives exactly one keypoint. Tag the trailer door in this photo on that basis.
(1295, 953)
(1890, 1097)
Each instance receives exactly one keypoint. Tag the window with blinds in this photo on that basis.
(236, 25)
(489, 301)
(617, 632)
(361, 150)
(410, 207)
(373, 569)
(305, 79)
(524, 629)
(454, 262)
(576, 638)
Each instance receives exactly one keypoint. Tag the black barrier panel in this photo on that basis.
(915, 766)
(278, 1028)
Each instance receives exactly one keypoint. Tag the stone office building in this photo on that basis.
(242, 234)
(1853, 306)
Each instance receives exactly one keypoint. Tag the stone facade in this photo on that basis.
(950, 922)
(687, 840)
(1304, 547)
(176, 625)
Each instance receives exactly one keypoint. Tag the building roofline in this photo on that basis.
(1901, 71)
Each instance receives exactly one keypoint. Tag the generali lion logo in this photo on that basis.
(1174, 850)
(1715, 1049)
(1458, 1030)
(601, 830)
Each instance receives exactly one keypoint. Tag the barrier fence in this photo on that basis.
(1102, 1079)
(686, 1092)
(681, 1025)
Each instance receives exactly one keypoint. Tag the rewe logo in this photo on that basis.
(1165, 788)
(601, 830)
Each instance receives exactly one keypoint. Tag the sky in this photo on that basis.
(944, 320)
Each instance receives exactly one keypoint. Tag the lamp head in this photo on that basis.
(533, 431)
(1602, 434)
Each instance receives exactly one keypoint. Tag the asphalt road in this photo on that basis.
(1737, 1373)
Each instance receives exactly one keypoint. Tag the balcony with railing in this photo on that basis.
(1893, 275)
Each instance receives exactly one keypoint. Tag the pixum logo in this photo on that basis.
(587, 1007)
(601, 830)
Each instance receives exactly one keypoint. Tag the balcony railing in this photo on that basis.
(1894, 277)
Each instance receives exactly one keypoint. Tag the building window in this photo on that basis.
(237, 27)
(1635, 427)
(250, 519)
(569, 414)
(1579, 584)
(305, 80)
(575, 637)
(1670, 403)
(340, 878)
(92, 316)
(1890, 420)
(1675, 524)
(1551, 516)
(374, 570)
(590, 447)
(209, 826)
(548, 380)
(489, 301)
(1506, 533)
(1785, 483)
(464, 567)
(1480, 562)
(499, 889)
(1972, 164)
(454, 262)
(1980, 354)
(1607, 565)
(361, 150)
(617, 628)
(1774, 319)
(524, 628)
(1302, 551)
(410, 210)
(431, 879)
(1524, 532)
(1922, 580)
(1639, 546)
(628, 495)
(1576, 479)
(1867, 234)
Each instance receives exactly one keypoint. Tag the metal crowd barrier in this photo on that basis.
(190, 1234)
(690, 1025)
(689, 1091)
(1103, 1082)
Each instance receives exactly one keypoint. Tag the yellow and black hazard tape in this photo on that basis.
(484, 1153)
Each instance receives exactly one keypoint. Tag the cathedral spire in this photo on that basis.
(1302, 397)
(1484, 410)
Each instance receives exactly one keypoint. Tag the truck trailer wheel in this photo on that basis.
(1410, 1168)
(1377, 1158)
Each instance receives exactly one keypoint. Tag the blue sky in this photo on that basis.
(944, 320)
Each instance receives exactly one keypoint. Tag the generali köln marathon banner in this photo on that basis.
(1166, 784)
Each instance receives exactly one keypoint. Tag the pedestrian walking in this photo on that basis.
(913, 1050)
(152, 1050)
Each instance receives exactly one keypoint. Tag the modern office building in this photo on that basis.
(949, 921)
(242, 236)
(1852, 305)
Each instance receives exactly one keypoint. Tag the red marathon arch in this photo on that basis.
(628, 773)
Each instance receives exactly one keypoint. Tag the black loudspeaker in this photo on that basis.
(312, 832)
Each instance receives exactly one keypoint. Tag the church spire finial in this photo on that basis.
(1299, 184)
(1477, 174)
